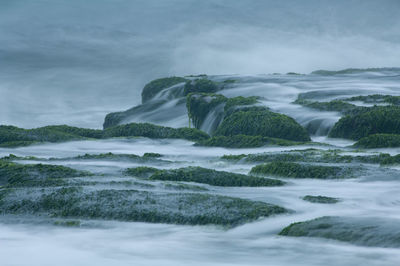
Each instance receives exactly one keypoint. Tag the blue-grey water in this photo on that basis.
(72, 62)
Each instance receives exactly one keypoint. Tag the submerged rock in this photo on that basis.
(154, 87)
(17, 175)
(363, 231)
(320, 199)
(205, 176)
(244, 141)
(297, 170)
(379, 141)
(154, 131)
(163, 92)
(335, 105)
(136, 206)
(14, 136)
(19, 136)
(353, 71)
(308, 155)
(200, 85)
(376, 99)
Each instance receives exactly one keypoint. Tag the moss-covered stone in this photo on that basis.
(10, 134)
(183, 186)
(19, 136)
(244, 141)
(335, 105)
(205, 176)
(141, 172)
(13, 174)
(138, 206)
(14, 144)
(376, 99)
(389, 160)
(116, 118)
(320, 199)
(308, 155)
(352, 71)
(296, 170)
(360, 231)
(154, 131)
(262, 123)
(154, 87)
(240, 101)
(200, 85)
(199, 105)
(151, 155)
(374, 120)
(379, 141)
(68, 223)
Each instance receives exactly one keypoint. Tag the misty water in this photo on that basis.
(73, 62)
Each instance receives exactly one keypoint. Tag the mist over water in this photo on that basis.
(74, 61)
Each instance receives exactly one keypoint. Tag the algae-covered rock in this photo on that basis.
(365, 231)
(262, 123)
(379, 141)
(154, 131)
(141, 172)
(244, 141)
(352, 71)
(202, 105)
(374, 120)
(154, 87)
(335, 105)
(21, 137)
(308, 155)
(320, 199)
(136, 206)
(388, 160)
(199, 105)
(200, 85)
(376, 99)
(297, 170)
(13, 174)
(205, 176)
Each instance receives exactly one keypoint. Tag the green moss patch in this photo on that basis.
(13, 174)
(19, 136)
(154, 131)
(205, 176)
(296, 170)
(154, 87)
(320, 199)
(14, 136)
(200, 85)
(137, 206)
(141, 172)
(262, 123)
(376, 99)
(379, 141)
(199, 105)
(308, 155)
(335, 105)
(244, 141)
(372, 231)
(375, 120)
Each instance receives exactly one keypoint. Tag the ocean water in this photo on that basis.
(72, 62)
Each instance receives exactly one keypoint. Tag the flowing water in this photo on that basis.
(70, 62)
